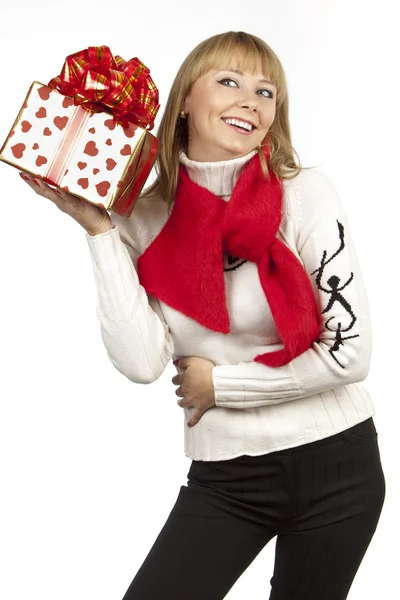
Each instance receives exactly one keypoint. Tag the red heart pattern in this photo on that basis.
(126, 150)
(92, 148)
(84, 183)
(44, 92)
(25, 126)
(110, 124)
(41, 160)
(60, 122)
(102, 188)
(41, 113)
(129, 131)
(111, 164)
(67, 102)
(18, 150)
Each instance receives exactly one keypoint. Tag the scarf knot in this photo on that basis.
(255, 206)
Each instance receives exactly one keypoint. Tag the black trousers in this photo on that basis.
(322, 500)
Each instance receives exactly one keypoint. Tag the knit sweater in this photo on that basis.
(259, 409)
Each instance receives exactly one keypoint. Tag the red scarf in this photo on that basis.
(184, 266)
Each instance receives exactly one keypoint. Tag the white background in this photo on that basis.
(91, 463)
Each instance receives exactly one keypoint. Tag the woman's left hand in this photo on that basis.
(196, 385)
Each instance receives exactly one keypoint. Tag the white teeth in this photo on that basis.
(239, 123)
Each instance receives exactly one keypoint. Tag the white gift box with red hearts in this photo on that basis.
(85, 153)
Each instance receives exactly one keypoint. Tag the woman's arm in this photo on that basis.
(342, 355)
(136, 337)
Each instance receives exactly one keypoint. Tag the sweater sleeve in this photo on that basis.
(342, 354)
(136, 337)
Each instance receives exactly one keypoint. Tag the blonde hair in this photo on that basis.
(253, 55)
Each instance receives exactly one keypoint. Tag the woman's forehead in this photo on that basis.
(252, 65)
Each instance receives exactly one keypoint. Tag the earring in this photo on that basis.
(182, 114)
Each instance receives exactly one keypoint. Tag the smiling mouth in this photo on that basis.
(241, 130)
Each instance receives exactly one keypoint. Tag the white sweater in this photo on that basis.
(259, 409)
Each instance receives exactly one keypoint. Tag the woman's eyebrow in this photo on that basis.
(240, 73)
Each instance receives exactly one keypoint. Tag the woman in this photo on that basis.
(273, 340)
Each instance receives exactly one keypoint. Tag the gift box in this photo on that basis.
(88, 130)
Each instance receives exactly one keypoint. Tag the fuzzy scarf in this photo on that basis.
(184, 266)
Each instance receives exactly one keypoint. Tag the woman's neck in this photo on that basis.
(219, 177)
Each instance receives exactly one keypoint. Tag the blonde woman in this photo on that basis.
(239, 263)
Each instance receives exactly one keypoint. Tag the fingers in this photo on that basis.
(59, 197)
(40, 187)
(28, 178)
(180, 392)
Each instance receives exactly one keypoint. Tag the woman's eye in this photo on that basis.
(271, 95)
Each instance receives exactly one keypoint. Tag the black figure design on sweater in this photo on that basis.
(334, 289)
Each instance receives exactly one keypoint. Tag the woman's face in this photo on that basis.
(224, 93)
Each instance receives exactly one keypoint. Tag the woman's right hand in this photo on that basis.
(93, 218)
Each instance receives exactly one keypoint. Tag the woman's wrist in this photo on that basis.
(103, 229)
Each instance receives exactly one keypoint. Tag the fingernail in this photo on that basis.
(190, 425)
(176, 362)
(37, 183)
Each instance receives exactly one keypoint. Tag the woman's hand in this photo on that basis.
(90, 216)
(196, 385)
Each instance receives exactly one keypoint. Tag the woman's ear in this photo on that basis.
(186, 104)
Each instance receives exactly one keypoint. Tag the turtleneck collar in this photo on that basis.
(219, 177)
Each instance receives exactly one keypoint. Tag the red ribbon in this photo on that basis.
(100, 82)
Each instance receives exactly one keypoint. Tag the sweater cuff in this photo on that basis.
(250, 385)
